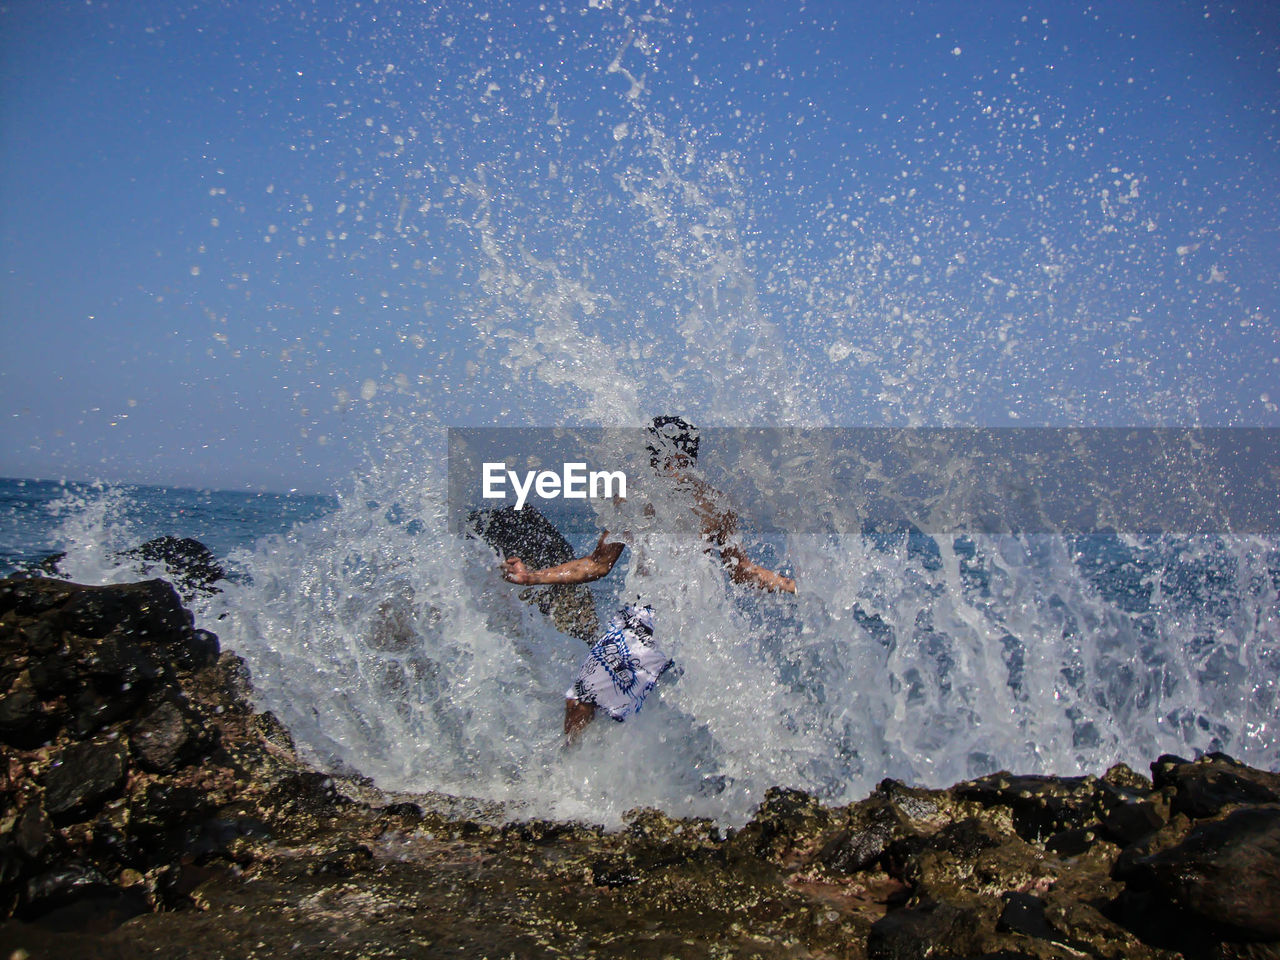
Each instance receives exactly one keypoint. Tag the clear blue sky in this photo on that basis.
(240, 239)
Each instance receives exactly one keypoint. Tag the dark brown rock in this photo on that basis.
(24, 722)
(147, 609)
(33, 832)
(1130, 821)
(62, 884)
(911, 803)
(1224, 875)
(861, 846)
(82, 776)
(529, 535)
(1205, 787)
(1041, 806)
(1071, 843)
(1121, 775)
(28, 597)
(1024, 914)
(932, 928)
(165, 737)
(783, 820)
(191, 565)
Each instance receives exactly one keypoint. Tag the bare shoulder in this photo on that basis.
(719, 521)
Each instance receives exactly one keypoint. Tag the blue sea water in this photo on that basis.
(39, 518)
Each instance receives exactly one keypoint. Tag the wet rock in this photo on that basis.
(1024, 914)
(82, 776)
(1121, 775)
(529, 831)
(165, 738)
(860, 846)
(201, 649)
(1042, 806)
(230, 679)
(10, 874)
(39, 638)
(783, 820)
(102, 678)
(24, 721)
(529, 535)
(1071, 843)
(28, 597)
(1205, 787)
(305, 793)
(95, 910)
(150, 608)
(113, 844)
(33, 834)
(218, 838)
(107, 698)
(405, 810)
(64, 883)
(1225, 875)
(192, 567)
(912, 858)
(117, 660)
(932, 928)
(273, 731)
(614, 872)
(163, 803)
(166, 823)
(344, 862)
(1127, 822)
(912, 802)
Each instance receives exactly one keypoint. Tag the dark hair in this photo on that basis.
(672, 436)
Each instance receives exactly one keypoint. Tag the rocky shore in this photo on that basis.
(147, 810)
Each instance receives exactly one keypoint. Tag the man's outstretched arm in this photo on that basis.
(744, 570)
(593, 566)
(718, 527)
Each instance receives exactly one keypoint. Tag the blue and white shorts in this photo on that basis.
(623, 666)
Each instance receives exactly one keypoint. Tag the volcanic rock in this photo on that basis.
(192, 566)
(165, 736)
(527, 534)
(188, 564)
(82, 776)
(1225, 874)
(159, 814)
(1204, 788)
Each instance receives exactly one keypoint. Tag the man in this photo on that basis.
(625, 662)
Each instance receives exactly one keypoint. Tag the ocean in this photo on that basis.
(92, 522)
(391, 648)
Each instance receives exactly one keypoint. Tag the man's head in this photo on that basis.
(673, 442)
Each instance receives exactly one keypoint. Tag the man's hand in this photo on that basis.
(743, 570)
(514, 571)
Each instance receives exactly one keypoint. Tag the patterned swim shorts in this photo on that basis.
(623, 666)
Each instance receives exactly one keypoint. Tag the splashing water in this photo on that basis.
(561, 233)
(95, 526)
